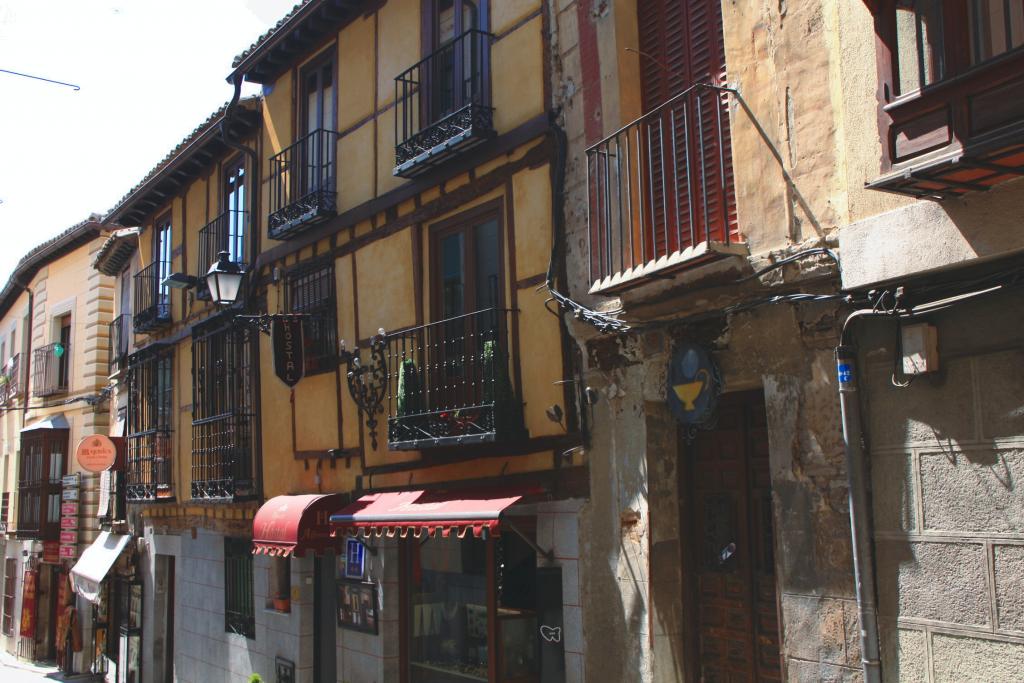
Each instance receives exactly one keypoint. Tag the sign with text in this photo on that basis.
(71, 480)
(69, 509)
(28, 605)
(96, 453)
(69, 537)
(289, 359)
(51, 552)
(68, 552)
(355, 559)
(69, 522)
(69, 494)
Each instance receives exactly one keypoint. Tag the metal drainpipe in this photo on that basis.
(254, 159)
(860, 512)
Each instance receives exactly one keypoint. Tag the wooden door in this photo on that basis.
(729, 557)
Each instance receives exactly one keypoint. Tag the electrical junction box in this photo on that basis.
(920, 348)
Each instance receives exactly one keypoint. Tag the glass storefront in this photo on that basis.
(472, 610)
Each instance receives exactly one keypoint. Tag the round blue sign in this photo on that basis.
(693, 384)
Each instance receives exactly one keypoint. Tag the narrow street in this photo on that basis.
(14, 671)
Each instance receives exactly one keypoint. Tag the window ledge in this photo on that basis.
(664, 267)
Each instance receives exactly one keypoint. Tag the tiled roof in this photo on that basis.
(116, 250)
(270, 33)
(189, 139)
(39, 256)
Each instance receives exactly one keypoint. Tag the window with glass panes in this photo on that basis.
(150, 390)
(10, 578)
(43, 463)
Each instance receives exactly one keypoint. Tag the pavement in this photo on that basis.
(14, 670)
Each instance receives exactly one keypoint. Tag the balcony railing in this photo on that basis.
(302, 184)
(443, 104)
(449, 383)
(227, 232)
(148, 473)
(222, 464)
(152, 300)
(10, 380)
(120, 342)
(50, 369)
(660, 190)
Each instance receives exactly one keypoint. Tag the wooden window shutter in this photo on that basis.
(682, 44)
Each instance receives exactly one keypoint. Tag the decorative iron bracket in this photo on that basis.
(366, 383)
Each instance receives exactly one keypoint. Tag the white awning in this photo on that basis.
(56, 421)
(90, 570)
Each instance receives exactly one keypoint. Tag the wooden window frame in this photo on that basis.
(466, 222)
(42, 486)
(239, 612)
(326, 58)
(320, 330)
(963, 114)
(228, 171)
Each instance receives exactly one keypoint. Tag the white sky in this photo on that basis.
(150, 71)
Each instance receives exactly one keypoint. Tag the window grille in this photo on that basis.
(150, 409)
(239, 611)
(310, 290)
(224, 387)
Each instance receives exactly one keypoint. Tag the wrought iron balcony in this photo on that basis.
(152, 300)
(10, 380)
(148, 474)
(51, 369)
(120, 341)
(443, 104)
(660, 190)
(449, 383)
(303, 184)
(227, 232)
(222, 466)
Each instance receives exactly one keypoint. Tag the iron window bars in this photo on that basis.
(224, 360)
(443, 104)
(660, 185)
(227, 232)
(50, 369)
(152, 300)
(148, 472)
(449, 383)
(43, 464)
(302, 184)
(239, 605)
(310, 290)
(120, 338)
(10, 380)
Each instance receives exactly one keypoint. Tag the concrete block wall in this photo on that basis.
(368, 658)
(947, 458)
(558, 530)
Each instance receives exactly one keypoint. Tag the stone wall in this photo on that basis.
(947, 454)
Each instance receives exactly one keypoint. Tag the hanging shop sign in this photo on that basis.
(28, 604)
(96, 453)
(694, 384)
(289, 359)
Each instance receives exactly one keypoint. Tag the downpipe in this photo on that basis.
(860, 511)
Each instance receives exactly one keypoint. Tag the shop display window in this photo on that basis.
(471, 610)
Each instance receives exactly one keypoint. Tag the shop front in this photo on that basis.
(479, 600)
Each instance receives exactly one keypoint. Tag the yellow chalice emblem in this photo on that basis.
(688, 392)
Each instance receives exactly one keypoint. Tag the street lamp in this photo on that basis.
(224, 280)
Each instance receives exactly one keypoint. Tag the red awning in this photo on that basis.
(294, 524)
(435, 512)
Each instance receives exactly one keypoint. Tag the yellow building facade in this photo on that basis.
(390, 192)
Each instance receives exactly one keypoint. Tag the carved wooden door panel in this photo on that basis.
(732, 564)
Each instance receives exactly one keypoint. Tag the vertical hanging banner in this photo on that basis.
(289, 357)
(28, 605)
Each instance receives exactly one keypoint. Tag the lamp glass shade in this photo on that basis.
(224, 280)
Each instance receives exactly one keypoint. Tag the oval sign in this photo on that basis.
(96, 453)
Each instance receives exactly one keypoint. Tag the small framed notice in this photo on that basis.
(357, 606)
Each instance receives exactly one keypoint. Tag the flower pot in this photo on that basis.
(282, 604)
